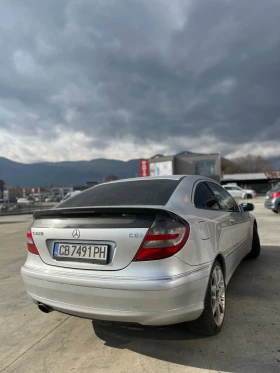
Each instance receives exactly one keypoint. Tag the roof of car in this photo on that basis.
(252, 176)
(171, 177)
(191, 178)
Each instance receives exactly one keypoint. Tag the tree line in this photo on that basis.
(247, 164)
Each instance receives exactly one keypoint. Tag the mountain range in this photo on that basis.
(75, 173)
(275, 161)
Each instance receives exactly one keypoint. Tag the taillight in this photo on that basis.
(31, 247)
(165, 238)
(275, 195)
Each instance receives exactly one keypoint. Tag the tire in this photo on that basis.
(209, 323)
(278, 209)
(275, 212)
(256, 245)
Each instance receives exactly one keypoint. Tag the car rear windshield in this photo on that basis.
(127, 193)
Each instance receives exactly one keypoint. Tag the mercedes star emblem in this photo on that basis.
(76, 234)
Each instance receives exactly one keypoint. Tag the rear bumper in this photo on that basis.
(272, 204)
(158, 302)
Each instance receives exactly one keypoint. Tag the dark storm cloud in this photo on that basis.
(148, 69)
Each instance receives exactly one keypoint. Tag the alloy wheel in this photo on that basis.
(218, 299)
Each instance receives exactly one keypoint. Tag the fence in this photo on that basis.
(20, 209)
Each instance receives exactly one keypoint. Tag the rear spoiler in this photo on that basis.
(91, 211)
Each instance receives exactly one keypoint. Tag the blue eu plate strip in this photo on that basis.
(55, 251)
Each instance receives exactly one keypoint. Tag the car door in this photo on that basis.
(239, 223)
(241, 229)
(237, 192)
(217, 222)
(229, 190)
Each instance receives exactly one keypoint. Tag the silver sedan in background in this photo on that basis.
(272, 199)
(153, 251)
(239, 193)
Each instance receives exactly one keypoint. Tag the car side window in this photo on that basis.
(225, 200)
(204, 198)
(228, 188)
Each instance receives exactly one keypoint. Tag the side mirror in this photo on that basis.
(247, 206)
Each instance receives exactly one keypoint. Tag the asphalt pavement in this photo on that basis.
(31, 341)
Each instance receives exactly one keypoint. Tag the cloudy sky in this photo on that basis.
(82, 79)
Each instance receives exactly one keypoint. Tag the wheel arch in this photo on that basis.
(222, 262)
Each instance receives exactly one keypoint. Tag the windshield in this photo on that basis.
(127, 193)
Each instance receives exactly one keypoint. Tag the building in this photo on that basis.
(14, 192)
(2, 184)
(186, 164)
(61, 190)
(260, 182)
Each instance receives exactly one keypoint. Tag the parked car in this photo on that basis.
(272, 199)
(153, 251)
(237, 192)
(3, 206)
(37, 197)
(25, 201)
(57, 198)
(49, 199)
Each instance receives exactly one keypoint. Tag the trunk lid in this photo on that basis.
(121, 230)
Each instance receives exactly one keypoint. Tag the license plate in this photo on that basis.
(81, 251)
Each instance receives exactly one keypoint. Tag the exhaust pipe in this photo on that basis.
(46, 309)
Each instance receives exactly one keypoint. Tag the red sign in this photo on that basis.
(144, 168)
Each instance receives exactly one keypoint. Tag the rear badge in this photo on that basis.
(135, 235)
(76, 234)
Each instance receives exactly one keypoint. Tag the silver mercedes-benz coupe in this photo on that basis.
(152, 251)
